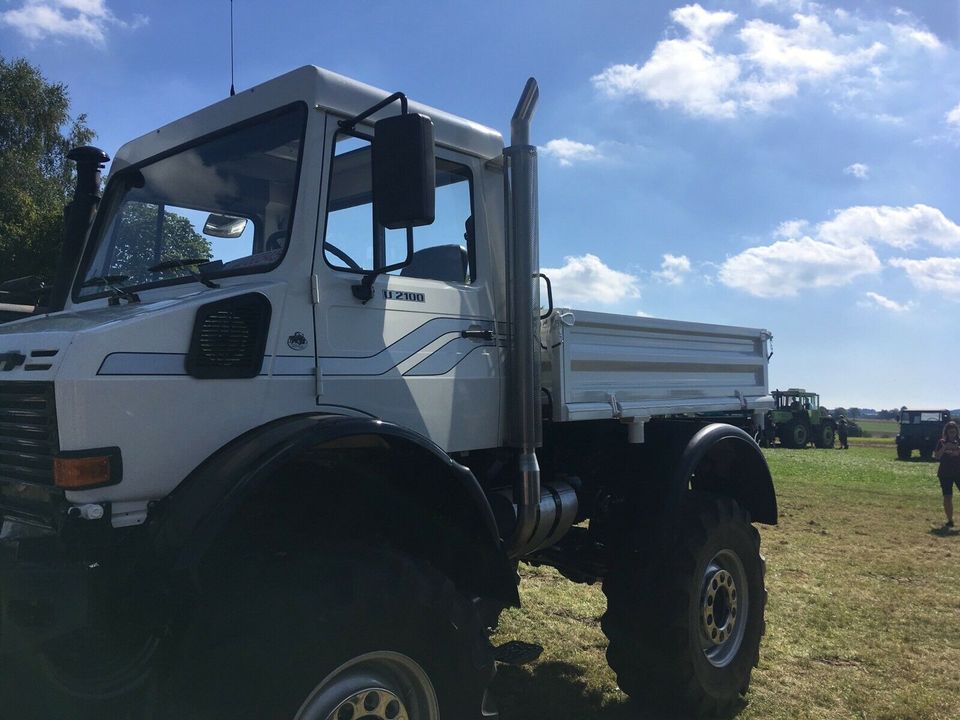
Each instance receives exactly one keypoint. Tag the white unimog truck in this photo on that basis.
(295, 411)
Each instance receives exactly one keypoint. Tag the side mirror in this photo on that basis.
(224, 226)
(404, 171)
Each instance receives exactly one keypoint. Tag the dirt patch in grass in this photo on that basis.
(863, 619)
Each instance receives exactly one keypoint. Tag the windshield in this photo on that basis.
(227, 200)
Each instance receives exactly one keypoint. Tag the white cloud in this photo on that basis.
(567, 152)
(858, 170)
(788, 266)
(781, 4)
(673, 269)
(809, 51)
(837, 251)
(80, 19)
(586, 279)
(935, 274)
(716, 69)
(702, 24)
(680, 72)
(912, 35)
(884, 303)
(953, 117)
(791, 229)
(641, 313)
(901, 227)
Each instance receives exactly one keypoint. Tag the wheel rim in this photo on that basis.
(724, 608)
(380, 685)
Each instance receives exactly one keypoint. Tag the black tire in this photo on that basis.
(903, 453)
(926, 453)
(657, 620)
(825, 437)
(310, 634)
(795, 435)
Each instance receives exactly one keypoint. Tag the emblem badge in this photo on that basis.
(297, 341)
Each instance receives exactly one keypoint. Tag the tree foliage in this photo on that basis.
(136, 245)
(36, 179)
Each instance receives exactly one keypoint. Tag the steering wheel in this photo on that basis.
(334, 250)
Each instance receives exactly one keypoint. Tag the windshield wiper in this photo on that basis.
(109, 283)
(187, 264)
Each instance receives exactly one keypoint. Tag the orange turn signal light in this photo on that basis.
(79, 473)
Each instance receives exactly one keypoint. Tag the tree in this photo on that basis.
(36, 179)
(137, 247)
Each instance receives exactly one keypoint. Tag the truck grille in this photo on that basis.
(28, 432)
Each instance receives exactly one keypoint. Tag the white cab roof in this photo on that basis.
(320, 89)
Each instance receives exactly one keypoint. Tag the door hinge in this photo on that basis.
(315, 289)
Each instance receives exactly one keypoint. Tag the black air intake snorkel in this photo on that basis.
(77, 218)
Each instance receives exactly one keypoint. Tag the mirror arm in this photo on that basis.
(364, 291)
(350, 123)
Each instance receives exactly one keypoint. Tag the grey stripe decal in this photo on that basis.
(289, 365)
(446, 358)
(402, 349)
(167, 364)
(437, 363)
(144, 364)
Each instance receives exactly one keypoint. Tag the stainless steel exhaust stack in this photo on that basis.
(523, 300)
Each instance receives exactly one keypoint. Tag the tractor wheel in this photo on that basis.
(351, 633)
(824, 438)
(795, 435)
(685, 623)
(903, 453)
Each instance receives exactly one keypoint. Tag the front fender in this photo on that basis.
(193, 517)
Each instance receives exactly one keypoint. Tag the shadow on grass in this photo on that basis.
(558, 691)
(941, 531)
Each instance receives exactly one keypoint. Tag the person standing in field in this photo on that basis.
(842, 433)
(948, 453)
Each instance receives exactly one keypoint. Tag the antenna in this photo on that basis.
(232, 91)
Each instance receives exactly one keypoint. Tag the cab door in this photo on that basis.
(423, 351)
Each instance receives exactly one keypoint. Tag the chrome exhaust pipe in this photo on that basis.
(523, 300)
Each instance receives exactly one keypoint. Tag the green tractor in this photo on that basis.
(798, 419)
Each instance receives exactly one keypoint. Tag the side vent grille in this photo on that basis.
(229, 338)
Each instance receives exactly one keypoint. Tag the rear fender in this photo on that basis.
(725, 460)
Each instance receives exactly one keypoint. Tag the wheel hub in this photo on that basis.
(381, 685)
(371, 704)
(723, 608)
(720, 607)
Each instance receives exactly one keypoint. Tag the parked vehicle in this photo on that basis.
(920, 430)
(294, 416)
(798, 419)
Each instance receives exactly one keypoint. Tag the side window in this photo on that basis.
(354, 242)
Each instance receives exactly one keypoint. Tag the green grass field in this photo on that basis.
(863, 619)
(880, 428)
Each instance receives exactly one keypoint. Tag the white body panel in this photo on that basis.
(602, 366)
(121, 381)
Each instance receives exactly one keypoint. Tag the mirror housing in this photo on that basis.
(224, 226)
(404, 171)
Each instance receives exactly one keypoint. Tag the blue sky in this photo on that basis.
(773, 163)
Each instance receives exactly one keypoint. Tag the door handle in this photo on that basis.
(477, 334)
